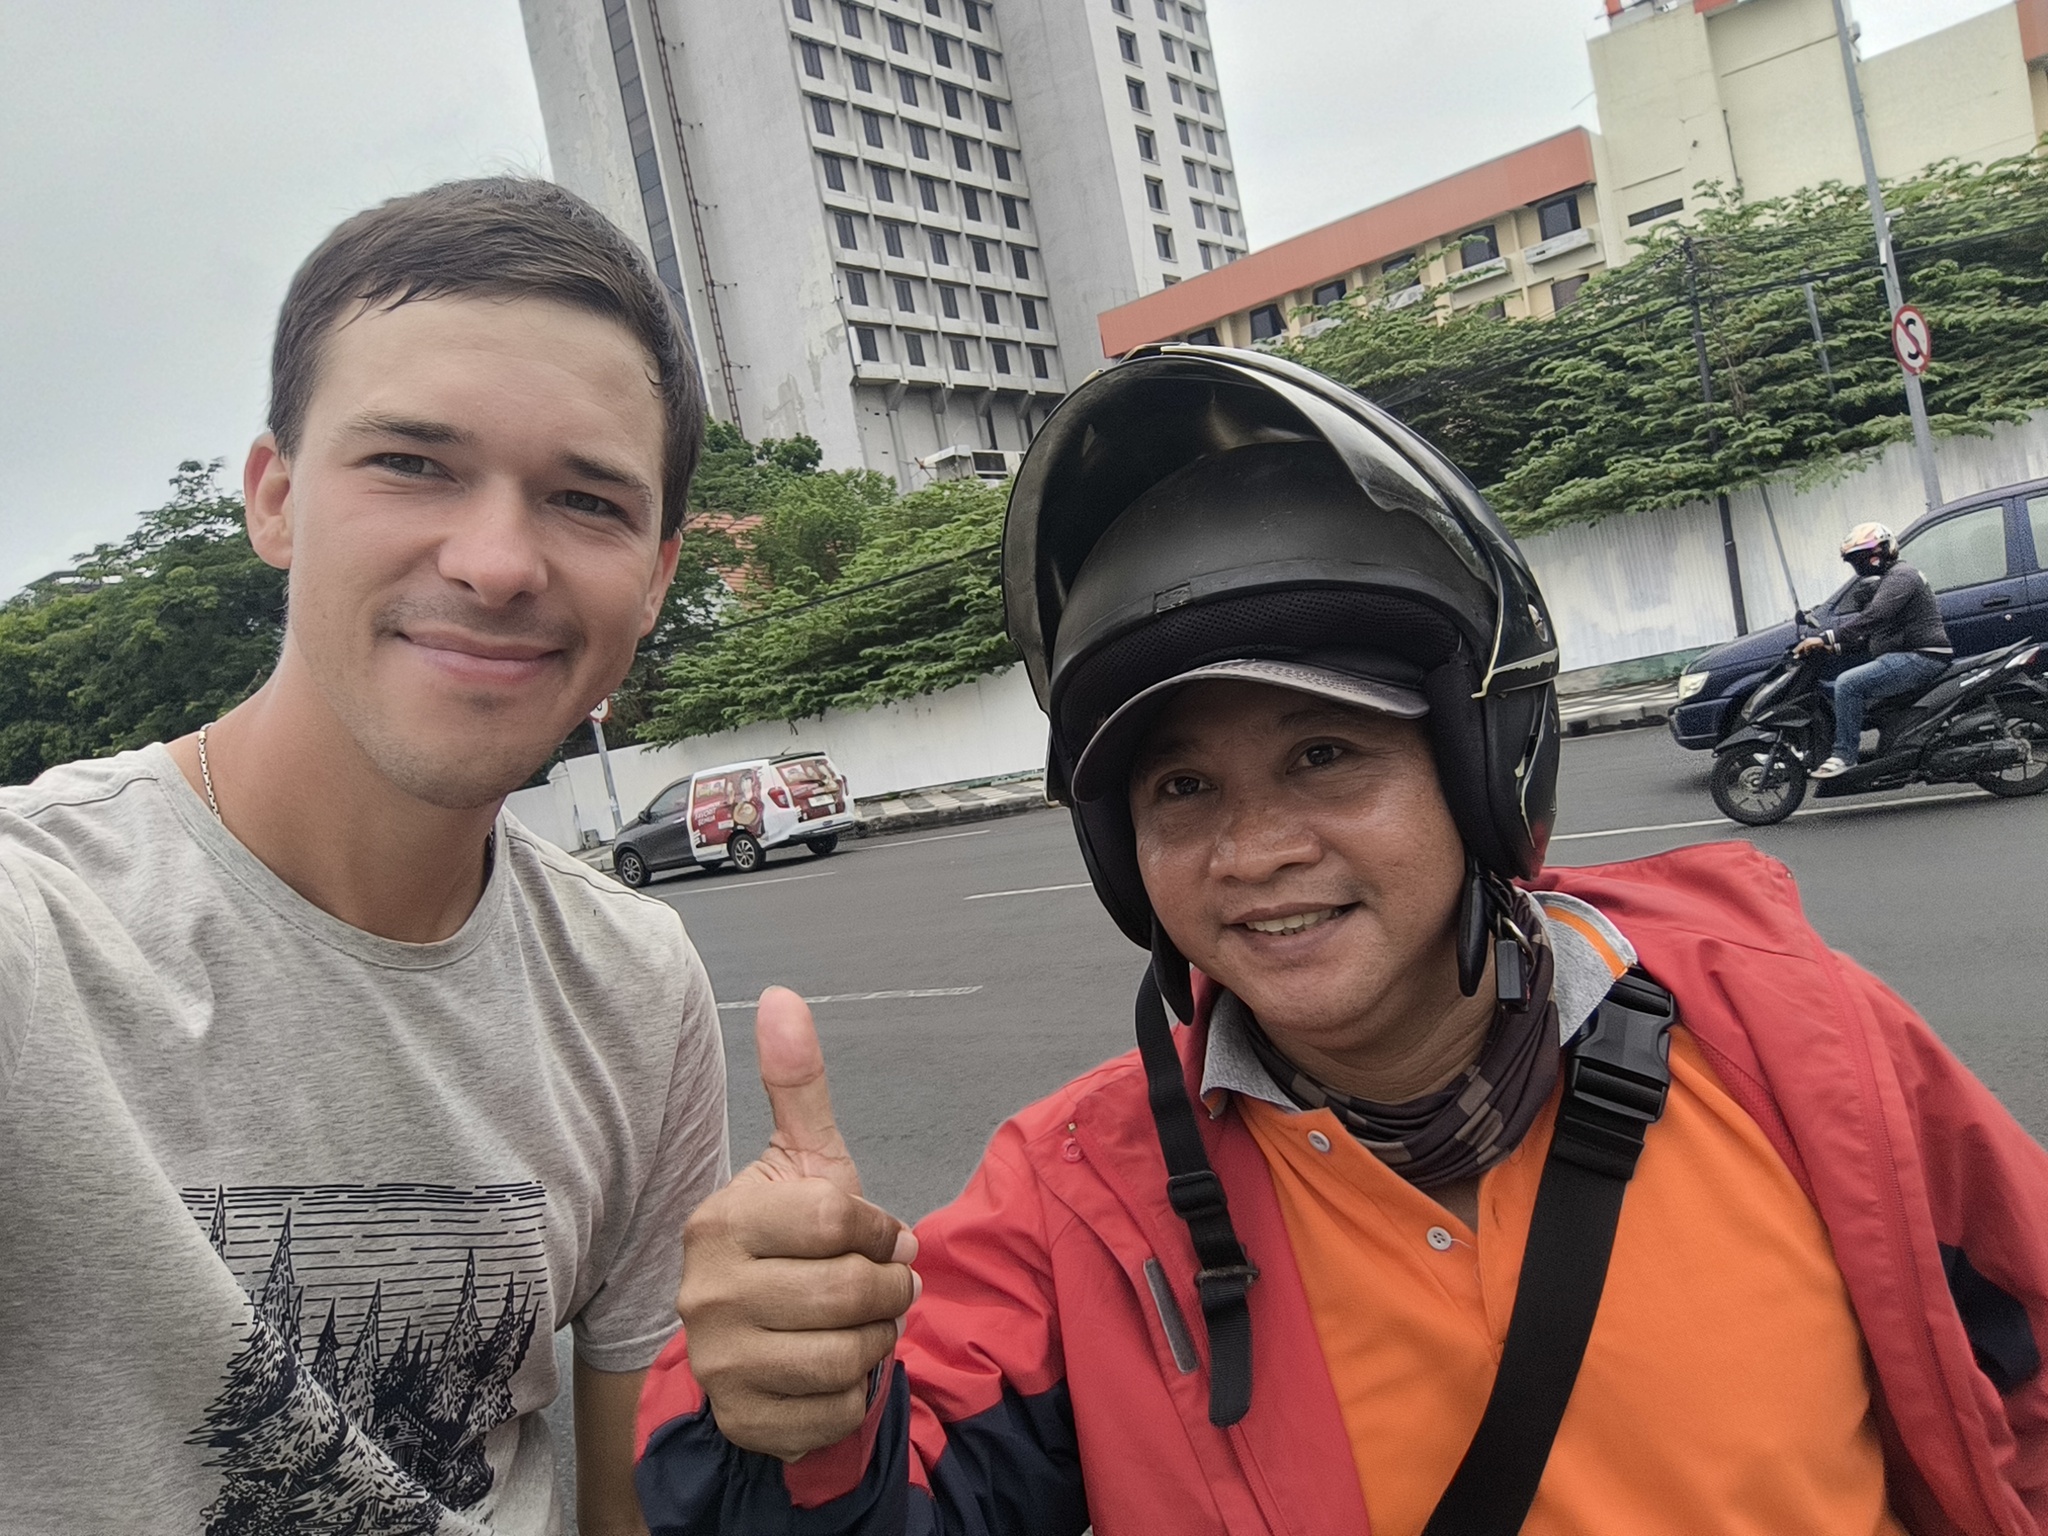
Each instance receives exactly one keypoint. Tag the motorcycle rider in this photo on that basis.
(1269, 1273)
(1901, 626)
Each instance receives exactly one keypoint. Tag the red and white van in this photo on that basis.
(735, 814)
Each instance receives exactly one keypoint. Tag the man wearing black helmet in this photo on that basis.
(1900, 624)
(1471, 1198)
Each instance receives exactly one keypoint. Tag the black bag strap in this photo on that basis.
(1225, 1274)
(1616, 1078)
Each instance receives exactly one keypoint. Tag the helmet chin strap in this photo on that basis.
(1482, 920)
(1170, 973)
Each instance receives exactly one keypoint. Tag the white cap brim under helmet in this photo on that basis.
(1104, 766)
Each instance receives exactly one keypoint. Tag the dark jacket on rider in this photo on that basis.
(1901, 615)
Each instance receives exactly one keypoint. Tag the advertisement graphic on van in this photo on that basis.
(735, 814)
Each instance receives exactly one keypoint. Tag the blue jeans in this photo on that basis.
(1860, 687)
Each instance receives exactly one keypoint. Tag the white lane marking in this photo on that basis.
(938, 838)
(750, 885)
(1818, 810)
(1029, 890)
(1669, 826)
(866, 997)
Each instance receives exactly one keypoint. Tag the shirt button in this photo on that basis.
(1070, 1149)
(1319, 1141)
(1438, 1239)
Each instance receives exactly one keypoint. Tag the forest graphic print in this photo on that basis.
(388, 1323)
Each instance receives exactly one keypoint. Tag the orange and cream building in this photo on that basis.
(1745, 93)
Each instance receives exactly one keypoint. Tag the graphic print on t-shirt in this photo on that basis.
(389, 1321)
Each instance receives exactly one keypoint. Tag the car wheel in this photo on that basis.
(823, 845)
(630, 868)
(2029, 725)
(1756, 785)
(744, 852)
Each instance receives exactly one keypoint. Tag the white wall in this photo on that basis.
(1618, 590)
(982, 730)
(1658, 582)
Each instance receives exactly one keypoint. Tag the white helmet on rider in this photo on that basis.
(1870, 539)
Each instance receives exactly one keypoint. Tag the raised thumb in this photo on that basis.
(806, 1141)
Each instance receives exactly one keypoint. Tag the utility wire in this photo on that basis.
(866, 586)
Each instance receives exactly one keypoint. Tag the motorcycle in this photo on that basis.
(1984, 721)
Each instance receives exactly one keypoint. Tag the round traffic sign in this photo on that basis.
(1912, 341)
(603, 712)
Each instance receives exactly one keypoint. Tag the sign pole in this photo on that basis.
(1916, 404)
(604, 758)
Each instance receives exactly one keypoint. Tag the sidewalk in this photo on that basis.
(1619, 709)
(950, 805)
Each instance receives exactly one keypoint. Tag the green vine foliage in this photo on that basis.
(909, 603)
(139, 641)
(1598, 412)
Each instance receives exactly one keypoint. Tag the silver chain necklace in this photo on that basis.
(206, 773)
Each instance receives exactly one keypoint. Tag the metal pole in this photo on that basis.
(1820, 339)
(1699, 345)
(1916, 404)
(1784, 565)
(604, 758)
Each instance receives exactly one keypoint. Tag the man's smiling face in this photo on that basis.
(1301, 853)
(471, 520)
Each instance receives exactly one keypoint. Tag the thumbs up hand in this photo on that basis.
(794, 1287)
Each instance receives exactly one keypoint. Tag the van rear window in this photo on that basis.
(808, 770)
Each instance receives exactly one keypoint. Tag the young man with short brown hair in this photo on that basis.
(330, 1093)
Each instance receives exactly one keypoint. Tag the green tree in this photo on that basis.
(915, 608)
(1598, 411)
(139, 641)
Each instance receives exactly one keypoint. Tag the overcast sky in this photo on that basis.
(164, 167)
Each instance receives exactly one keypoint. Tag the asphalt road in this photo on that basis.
(963, 974)
(1943, 895)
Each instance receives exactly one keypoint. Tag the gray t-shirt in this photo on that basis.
(289, 1213)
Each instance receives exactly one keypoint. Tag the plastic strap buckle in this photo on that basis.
(1226, 1273)
(1617, 1076)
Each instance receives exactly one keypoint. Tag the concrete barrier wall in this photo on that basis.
(1658, 581)
(986, 729)
(1618, 590)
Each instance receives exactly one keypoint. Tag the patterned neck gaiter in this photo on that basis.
(1470, 1124)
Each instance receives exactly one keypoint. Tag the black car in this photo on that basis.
(1986, 556)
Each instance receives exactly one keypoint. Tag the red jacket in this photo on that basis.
(1037, 1388)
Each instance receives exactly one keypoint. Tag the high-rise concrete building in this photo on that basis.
(891, 224)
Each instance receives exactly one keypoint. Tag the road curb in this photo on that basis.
(1634, 718)
(946, 816)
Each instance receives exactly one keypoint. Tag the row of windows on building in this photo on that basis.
(1141, 100)
(922, 143)
(825, 119)
(916, 88)
(1476, 248)
(1191, 134)
(1190, 19)
(1171, 48)
(1207, 215)
(640, 135)
(1269, 321)
(865, 289)
(859, 20)
(919, 348)
(888, 185)
(898, 239)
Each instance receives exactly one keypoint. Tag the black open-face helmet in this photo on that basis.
(1209, 509)
(1199, 512)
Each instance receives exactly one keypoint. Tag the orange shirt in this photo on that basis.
(1725, 1388)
